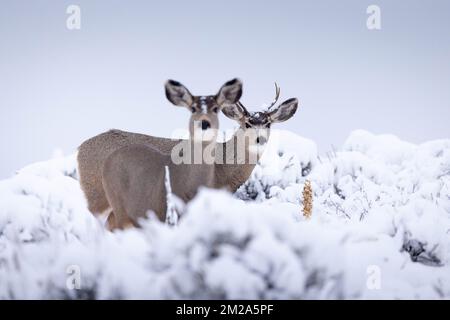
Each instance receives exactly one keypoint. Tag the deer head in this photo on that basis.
(256, 125)
(204, 121)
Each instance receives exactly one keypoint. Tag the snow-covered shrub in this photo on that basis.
(287, 159)
(380, 228)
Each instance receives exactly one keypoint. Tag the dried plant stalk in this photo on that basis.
(307, 199)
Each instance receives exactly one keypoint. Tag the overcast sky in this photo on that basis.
(59, 87)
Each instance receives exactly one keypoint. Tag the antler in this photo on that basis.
(240, 105)
(277, 95)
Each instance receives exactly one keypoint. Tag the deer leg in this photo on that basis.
(119, 221)
(122, 223)
(111, 222)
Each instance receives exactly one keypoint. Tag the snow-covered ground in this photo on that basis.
(380, 228)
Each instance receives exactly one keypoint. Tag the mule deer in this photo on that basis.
(93, 152)
(234, 168)
(134, 176)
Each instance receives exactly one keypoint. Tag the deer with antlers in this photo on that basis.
(249, 141)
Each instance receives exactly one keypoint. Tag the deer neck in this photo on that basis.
(233, 168)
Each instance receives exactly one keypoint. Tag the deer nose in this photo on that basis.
(205, 125)
(261, 140)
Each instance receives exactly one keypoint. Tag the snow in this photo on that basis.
(380, 229)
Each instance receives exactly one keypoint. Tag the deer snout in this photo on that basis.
(205, 124)
(261, 140)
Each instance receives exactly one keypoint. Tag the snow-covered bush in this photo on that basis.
(380, 228)
(287, 159)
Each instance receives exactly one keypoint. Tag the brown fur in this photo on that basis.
(133, 179)
(230, 173)
(93, 153)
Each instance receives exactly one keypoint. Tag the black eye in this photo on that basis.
(193, 109)
(268, 125)
(216, 109)
(247, 125)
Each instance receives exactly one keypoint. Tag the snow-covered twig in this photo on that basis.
(171, 213)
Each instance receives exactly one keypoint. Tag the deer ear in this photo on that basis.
(285, 111)
(233, 111)
(178, 94)
(230, 93)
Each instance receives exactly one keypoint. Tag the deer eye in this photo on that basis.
(193, 109)
(247, 125)
(216, 109)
